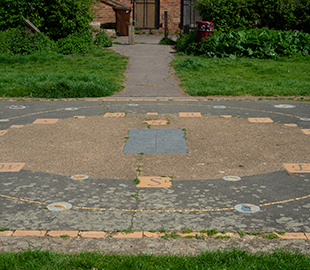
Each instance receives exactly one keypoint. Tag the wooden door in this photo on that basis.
(147, 14)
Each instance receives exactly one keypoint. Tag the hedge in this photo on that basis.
(244, 14)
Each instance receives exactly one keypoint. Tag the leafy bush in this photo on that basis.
(228, 14)
(258, 43)
(56, 18)
(103, 40)
(185, 42)
(276, 14)
(78, 42)
(17, 41)
(245, 14)
(166, 41)
(303, 15)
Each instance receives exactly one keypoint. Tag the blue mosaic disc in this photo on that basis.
(219, 107)
(79, 177)
(247, 208)
(59, 206)
(231, 178)
(284, 106)
(17, 107)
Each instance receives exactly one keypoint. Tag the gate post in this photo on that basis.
(166, 24)
(131, 33)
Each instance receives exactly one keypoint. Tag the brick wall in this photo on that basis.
(105, 14)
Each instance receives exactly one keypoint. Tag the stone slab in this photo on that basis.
(11, 167)
(63, 233)
(2, 132)
(157, 122)
(129, 235)
(6, 233)
(154, 182)
(29, 233)
(297, 167)
(118, 114)
(189, 114)
(293, 236)
(17, 126)
(260, 120)
(45, 121)
(159, 141)
(93, 234)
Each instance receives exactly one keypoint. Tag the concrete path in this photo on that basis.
(148, 73)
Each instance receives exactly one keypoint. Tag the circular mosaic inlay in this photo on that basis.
(71, 109)
(79, 177)
(17, 107)
(247, 208)
(231, 178)
(284, 106)
(219, 107)
(305, 119)
(4, 120)
(59, 206)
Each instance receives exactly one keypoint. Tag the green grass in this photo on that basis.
(44, 75)
(201, 76)
(228, 259)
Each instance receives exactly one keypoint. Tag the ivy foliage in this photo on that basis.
(257, 43)
(244, 14)
(56, 18)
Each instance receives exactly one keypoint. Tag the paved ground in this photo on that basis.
(198, 198)
(148, 73)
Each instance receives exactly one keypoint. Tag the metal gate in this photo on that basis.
(147, 14)
(189, 15)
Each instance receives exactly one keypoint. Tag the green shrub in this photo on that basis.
(78, 42)
(230, 15)
(56, 18)
(276, 14)
(257, 43)
(17, 41)
(185, 42)
(103, 40)
(303, 15)
(166, 41)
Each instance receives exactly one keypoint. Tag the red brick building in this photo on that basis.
(149, 14)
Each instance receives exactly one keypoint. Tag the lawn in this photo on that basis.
(51, 75)
(229, 259)
(202, 76)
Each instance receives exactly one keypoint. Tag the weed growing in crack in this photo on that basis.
(136, 196)
(136, 181)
